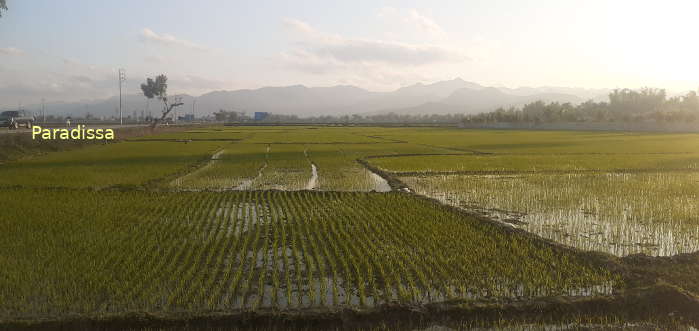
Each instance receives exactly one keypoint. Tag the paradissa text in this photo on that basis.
(79, 133)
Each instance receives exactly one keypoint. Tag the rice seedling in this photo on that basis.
(536, 163)
(619, 213)
(234, 168)
(125, 163)
(206, 251)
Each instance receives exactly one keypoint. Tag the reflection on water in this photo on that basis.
(621, 214)
(380, 184)
(314, 178)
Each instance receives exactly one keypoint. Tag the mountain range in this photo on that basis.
(452, 96)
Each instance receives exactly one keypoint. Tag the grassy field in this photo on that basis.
(278, 219)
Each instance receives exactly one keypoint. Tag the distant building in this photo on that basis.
(186, 118)
(261, 115)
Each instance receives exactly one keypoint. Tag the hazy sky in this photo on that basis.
(71, 49)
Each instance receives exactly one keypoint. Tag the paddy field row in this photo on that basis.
(113, 251)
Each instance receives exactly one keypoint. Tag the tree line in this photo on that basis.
(624, 105)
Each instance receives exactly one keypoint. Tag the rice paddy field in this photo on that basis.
(354, 228)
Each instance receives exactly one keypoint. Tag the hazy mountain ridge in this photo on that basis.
(451, 96)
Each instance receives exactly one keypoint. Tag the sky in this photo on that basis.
(71, 50)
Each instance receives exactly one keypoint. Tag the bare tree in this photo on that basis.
(157, 88)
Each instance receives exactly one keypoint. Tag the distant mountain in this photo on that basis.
(451, 96)
(296, 99)
(411, 96)
(439, 89)
(108, 108)
(473, 101)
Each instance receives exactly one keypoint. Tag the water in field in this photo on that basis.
(380, 184)
(314, 178)
(180, 180)
(622, 214)
(246, 184)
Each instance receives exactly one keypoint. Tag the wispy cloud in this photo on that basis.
(371, 63)
(348, 50)
(415, 19)
(149, 35)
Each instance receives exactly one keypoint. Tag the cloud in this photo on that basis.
(11, 51)
(347, 50)
(149, 35)
(194, 82)
(387, 52)
(373, 63)
(412, 18)
(424, 22)
(298, 25)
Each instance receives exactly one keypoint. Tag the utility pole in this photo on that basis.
(43, 109)
(122, 78)
(194, 102)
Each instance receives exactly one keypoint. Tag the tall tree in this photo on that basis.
(3, 6)
(157, 88)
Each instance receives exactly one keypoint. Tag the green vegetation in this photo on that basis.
(624, 105)
(270, 219)
(234, 167)
(99, 166)
(144, 251)
(308, 135)
(651, 213)
(507, 163)
(543, 142)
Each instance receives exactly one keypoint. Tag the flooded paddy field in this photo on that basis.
(211, 251)
(618, 213)
(507, 228)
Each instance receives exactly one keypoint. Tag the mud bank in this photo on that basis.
(661, 304)
(393, 182)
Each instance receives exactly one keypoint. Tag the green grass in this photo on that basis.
(87, 252)
(153, 246)
(546, 142)
(288, 168)
(308, 135)
(200, 134)
(537, 162)
(232, 168)
(125, 163)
